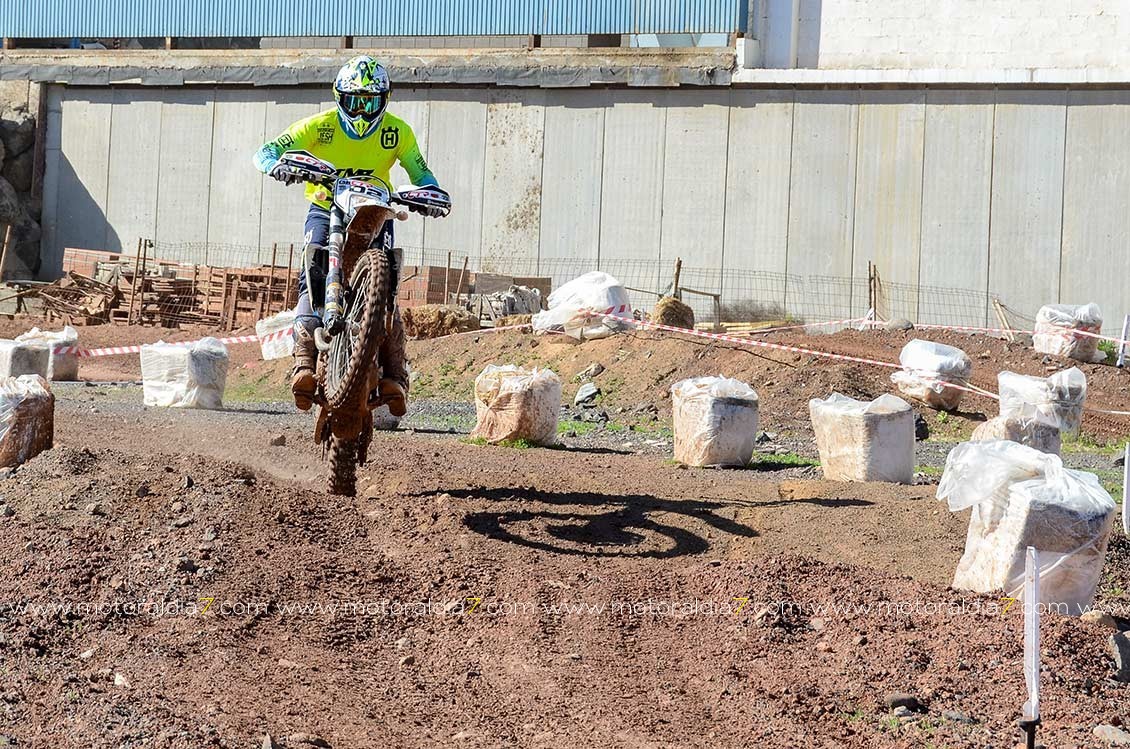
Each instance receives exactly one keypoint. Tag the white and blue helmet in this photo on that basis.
(362, 89)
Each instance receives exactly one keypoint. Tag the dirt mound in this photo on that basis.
(180, 602)
(640, 368)
(671, 311)
(435, 320)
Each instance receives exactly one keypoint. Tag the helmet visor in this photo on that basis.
(362, 105)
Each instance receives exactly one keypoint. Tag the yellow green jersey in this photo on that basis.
(374, 156)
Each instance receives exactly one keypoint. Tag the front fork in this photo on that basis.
(333, 317)
(333, 321)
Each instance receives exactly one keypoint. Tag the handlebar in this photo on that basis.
(306, 167)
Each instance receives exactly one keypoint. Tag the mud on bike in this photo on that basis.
(357, 308)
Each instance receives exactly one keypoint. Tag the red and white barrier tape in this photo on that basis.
(1065, 332)
(88, 353)
(967, 387)
(750, 342)
(480, 331)
(618, 313)
(852, 321)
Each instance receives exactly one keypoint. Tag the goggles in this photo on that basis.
(357, 105)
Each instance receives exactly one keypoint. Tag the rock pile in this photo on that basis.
(17, 160)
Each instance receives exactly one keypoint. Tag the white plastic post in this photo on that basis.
(1122, 344)
(1126, 491)
(1032, 634)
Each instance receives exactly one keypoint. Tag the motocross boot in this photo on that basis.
(394, 380)
(303, 381)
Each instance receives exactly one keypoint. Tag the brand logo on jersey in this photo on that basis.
(390, 137)
(326, 134)
(285, 140)
(350, 173)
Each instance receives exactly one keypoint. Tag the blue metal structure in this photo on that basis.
(259, 18)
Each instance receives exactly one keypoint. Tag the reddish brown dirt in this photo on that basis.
(670, 660)
(496, 597)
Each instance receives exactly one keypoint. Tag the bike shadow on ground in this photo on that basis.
(627, 526)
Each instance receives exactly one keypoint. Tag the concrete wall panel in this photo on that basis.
(888, 187)
(695, 152)
(411, 105)
(757, 180)
(456, 137)
(82, 166)
(186, 163)
(284, 208)
(961, 190)
(135, 163)
(1096, 211)
(571, 188)
(1024, 240)
(956, 185)
(633, 183)
(513, 171)
(758, 173)
(236, 203)
(822, 196)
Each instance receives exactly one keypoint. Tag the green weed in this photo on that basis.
(769, 462)
(1110, 348)
(518, 444)
(578, 428)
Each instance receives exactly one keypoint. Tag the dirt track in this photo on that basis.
(544, 538)
(499, 597)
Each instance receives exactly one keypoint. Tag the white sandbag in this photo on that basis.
(278, 332)
(1056, 326)
(517, 300)
(27, 418)
(1022, 497)
(178, 376)
(715, 421)
(926, 367)
(864, 441)
(62, 366)
(1034, 434)
(18, 358)
(512, 403)
(1056, 401)
(581, 307)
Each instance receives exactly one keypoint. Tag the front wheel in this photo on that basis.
(353, 351)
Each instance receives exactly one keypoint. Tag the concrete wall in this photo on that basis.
(783, 195)
(969, 34)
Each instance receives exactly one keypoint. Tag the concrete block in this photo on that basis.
(17, 358)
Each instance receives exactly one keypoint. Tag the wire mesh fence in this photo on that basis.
(230, 285)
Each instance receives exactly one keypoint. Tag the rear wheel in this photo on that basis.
(343, 466)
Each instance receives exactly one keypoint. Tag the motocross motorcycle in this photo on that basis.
(357, 306)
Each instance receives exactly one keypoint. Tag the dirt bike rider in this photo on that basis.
(363, 140)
